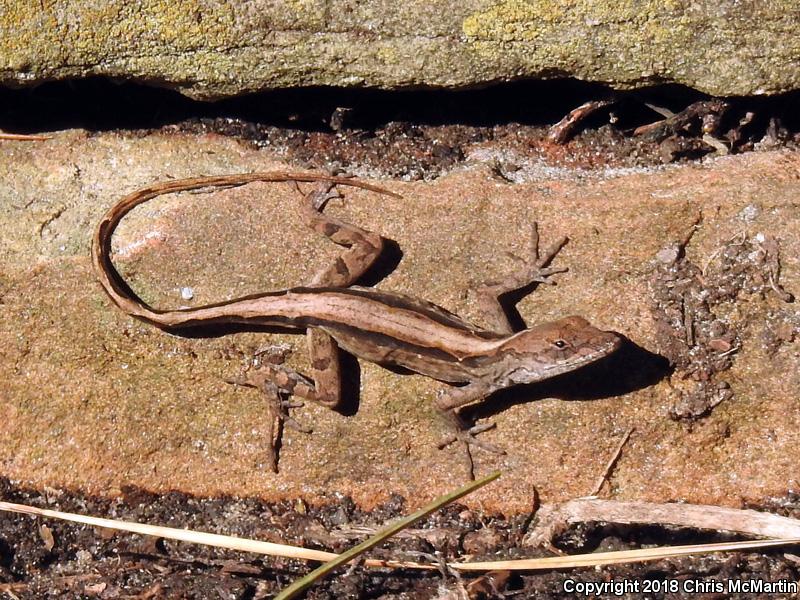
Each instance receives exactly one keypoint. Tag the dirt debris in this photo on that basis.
(92, 563)
(698, 327)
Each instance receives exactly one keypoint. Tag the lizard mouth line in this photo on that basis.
(604, 350)
(523, 375)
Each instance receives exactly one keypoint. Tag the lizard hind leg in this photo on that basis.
(279, 382)
(271, 376)
(363, 247)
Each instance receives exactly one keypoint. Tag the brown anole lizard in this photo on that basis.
(375, 325)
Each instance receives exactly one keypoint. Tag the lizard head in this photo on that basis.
(554, 348)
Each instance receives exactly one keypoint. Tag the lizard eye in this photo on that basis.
(560, 344)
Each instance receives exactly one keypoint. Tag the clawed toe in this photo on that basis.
(467, 437)
(290, 422)
(278, 407)
(322, 196)
(540, 275)
(470, 439)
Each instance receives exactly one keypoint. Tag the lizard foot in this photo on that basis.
(534, 269)
(535, 265)
(466, 438)
(278, 411)
(278, 406)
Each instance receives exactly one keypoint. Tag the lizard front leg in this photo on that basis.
(535, 270)
(448, 402)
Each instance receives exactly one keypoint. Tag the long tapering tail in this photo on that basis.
(115, 286)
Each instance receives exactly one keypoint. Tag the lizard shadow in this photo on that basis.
(629, 369)
(386, 262)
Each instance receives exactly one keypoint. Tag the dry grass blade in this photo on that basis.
(196, 537)
(304, 583)
(556, 562)
(617, 557)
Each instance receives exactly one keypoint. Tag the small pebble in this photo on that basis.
(667, 255)
(187, 293)
(749, 213)
(719, 345)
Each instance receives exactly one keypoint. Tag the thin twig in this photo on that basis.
(8, 588)
(611, 462)
(564, 129)
(555, 518)
(21, 137)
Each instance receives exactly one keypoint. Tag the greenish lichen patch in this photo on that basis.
(512, 20)
(85, 33)
(215, 48)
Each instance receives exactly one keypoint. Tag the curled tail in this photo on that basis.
(115, 286)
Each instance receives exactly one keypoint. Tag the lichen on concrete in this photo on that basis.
(215, 48)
